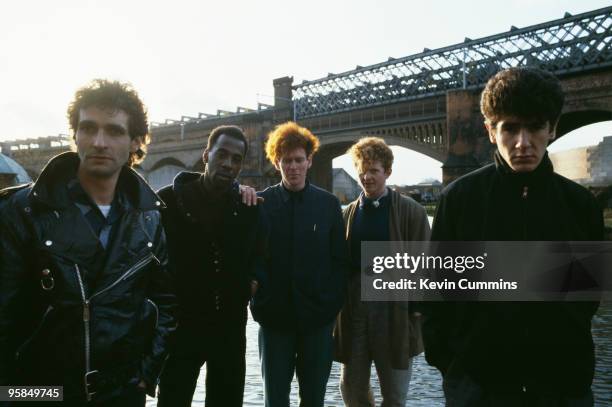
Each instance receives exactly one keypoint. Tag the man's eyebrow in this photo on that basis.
(113, 126)
(226, 151)
(88, 122)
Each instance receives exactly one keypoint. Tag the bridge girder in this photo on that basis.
(579, 43)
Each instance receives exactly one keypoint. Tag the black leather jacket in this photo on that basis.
(69, 307)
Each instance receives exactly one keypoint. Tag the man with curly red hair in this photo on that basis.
(301, 274)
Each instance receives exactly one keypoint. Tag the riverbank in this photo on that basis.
(426, 385)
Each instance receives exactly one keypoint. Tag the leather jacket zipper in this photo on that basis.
(86, 310)
(139, 265)
(34, 334)
(156, 312)
(85, 321)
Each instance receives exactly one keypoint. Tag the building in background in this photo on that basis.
(589, 166)
(346, 188)
(426, 191)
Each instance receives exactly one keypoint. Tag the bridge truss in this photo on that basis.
(572, 44)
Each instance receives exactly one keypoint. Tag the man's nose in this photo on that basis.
(523, 138)
(226, 162)
(100, 139)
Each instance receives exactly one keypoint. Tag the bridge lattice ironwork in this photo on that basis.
(572, 44)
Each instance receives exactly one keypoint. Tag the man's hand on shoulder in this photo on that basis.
(249, 195)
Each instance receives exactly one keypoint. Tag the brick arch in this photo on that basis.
(167, 161)
(576, 119)
(332, 147)
(404, 137)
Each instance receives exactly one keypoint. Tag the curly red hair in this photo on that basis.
(287, 137)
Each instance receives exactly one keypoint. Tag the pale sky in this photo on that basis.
(186, 56)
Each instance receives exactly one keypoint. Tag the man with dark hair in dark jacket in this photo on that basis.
(211, 239)
(515, 354)
(85, 300)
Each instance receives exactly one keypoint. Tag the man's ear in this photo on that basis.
(388, 173)
(276, 165)
(553, 131)
(309, 162)
(135, 144)
(491, 131)
(205, 156)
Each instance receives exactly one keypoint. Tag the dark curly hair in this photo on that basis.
(287, 137)
(369, 150)
(108, 94)
(527, 93)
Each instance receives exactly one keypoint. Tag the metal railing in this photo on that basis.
(571, 44)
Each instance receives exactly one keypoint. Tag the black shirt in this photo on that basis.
(370, 224)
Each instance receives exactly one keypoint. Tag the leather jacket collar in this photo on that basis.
(51, 187)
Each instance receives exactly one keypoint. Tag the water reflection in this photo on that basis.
(425, 387)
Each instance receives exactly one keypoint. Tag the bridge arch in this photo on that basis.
(167, 161)
(332, 147)
(571, 121)
(163, 171)
(344, 141)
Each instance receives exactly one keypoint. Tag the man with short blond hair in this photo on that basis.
(386, 333)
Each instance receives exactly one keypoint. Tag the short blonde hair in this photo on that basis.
(369, 150)
(287, 137)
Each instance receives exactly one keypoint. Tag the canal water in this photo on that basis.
(425, 387)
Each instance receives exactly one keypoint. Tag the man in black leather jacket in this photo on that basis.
(504, 353)
(85, 297)
(211, 240)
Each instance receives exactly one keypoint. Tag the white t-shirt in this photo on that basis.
(105, 209)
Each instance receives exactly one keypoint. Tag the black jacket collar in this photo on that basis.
(286, 194)
(542, 172)
(186, 194)
(51, 187)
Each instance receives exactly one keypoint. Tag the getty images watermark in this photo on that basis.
(486, 271)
